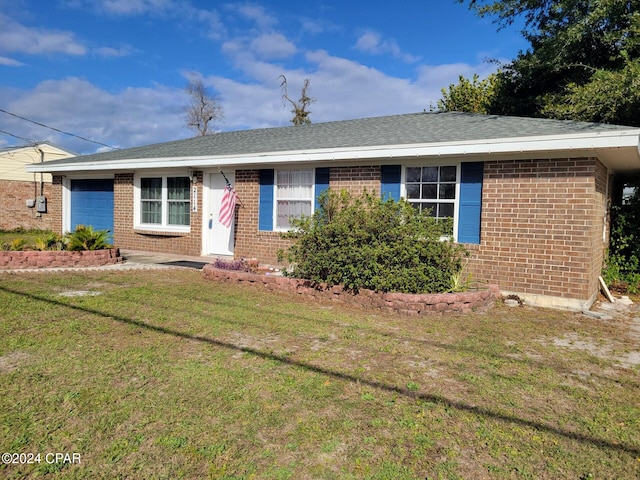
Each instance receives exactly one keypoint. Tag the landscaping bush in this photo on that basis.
(86, 238)
(368, 243)
(82, 238)
(50, 241)
(15, 245)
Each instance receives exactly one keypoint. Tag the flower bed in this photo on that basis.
(59, 259)
(398, 302)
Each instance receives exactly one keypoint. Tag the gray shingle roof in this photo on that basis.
(407, 129)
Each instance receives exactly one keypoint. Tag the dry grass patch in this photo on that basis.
(170, 376)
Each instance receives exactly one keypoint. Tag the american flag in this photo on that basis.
(228, 206)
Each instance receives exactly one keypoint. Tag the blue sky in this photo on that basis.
(114, 71)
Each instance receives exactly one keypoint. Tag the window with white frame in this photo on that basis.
(293, 195)
(432, 189)
(165, 201)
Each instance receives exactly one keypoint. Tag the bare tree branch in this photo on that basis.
(300, 108)
(203, 109)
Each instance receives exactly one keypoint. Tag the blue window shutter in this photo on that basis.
(322, 183)
(265, 208)
(390, 181)
(470, 202)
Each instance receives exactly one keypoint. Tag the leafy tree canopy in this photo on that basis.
(583, 62)
(473, 96)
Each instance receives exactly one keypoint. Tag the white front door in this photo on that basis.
(220, 237)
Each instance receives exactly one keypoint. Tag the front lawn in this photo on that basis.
(160, 374)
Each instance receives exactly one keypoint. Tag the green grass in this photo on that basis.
(165, 375)
(29, 236)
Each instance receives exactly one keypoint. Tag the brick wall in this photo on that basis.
(355, 179)
(54, 204)
(125, 236)
(14, 212)
(542, 224)
(250, 242)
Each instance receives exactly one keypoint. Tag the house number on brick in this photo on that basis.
(194, 199)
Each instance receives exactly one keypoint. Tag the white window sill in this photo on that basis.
(161, 230)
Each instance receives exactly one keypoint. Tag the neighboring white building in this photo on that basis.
(14, 159)
(17, 186)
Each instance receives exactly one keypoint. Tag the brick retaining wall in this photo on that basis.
(63, 259)
(397, 302)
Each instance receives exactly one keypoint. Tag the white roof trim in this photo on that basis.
(549, 143)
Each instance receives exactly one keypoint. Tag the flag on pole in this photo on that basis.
(228, 206)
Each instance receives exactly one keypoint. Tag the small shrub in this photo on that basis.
(369, 243)
(86, 238)
(50, 241)
(15, 245)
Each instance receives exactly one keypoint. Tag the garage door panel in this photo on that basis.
(92, 203)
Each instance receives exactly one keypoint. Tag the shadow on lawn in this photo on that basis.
(600, 443)
(426, 342)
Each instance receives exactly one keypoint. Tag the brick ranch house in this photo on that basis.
(529, 197)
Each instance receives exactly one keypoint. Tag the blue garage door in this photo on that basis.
(92, 204)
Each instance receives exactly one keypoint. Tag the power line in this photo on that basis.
(30, 142)
(55, 129)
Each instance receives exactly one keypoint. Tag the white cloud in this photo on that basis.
(111, 52)
(355, 90)
(444, 75)
(249, 105)
(134, 116)
(15, 37)
(272, 46)
(9, 62)
(135, 7)
(215, 29)
(255, 13)
(372, 42)
(183, 11)
(317, 26)
(343, 89)
(122, 7)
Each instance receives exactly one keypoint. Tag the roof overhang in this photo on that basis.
(618, 149)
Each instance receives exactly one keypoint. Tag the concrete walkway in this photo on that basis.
(163, 260)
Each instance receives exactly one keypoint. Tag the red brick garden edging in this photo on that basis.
(398, 302)
(61, 259)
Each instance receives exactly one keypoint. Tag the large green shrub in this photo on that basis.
(365, 242)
